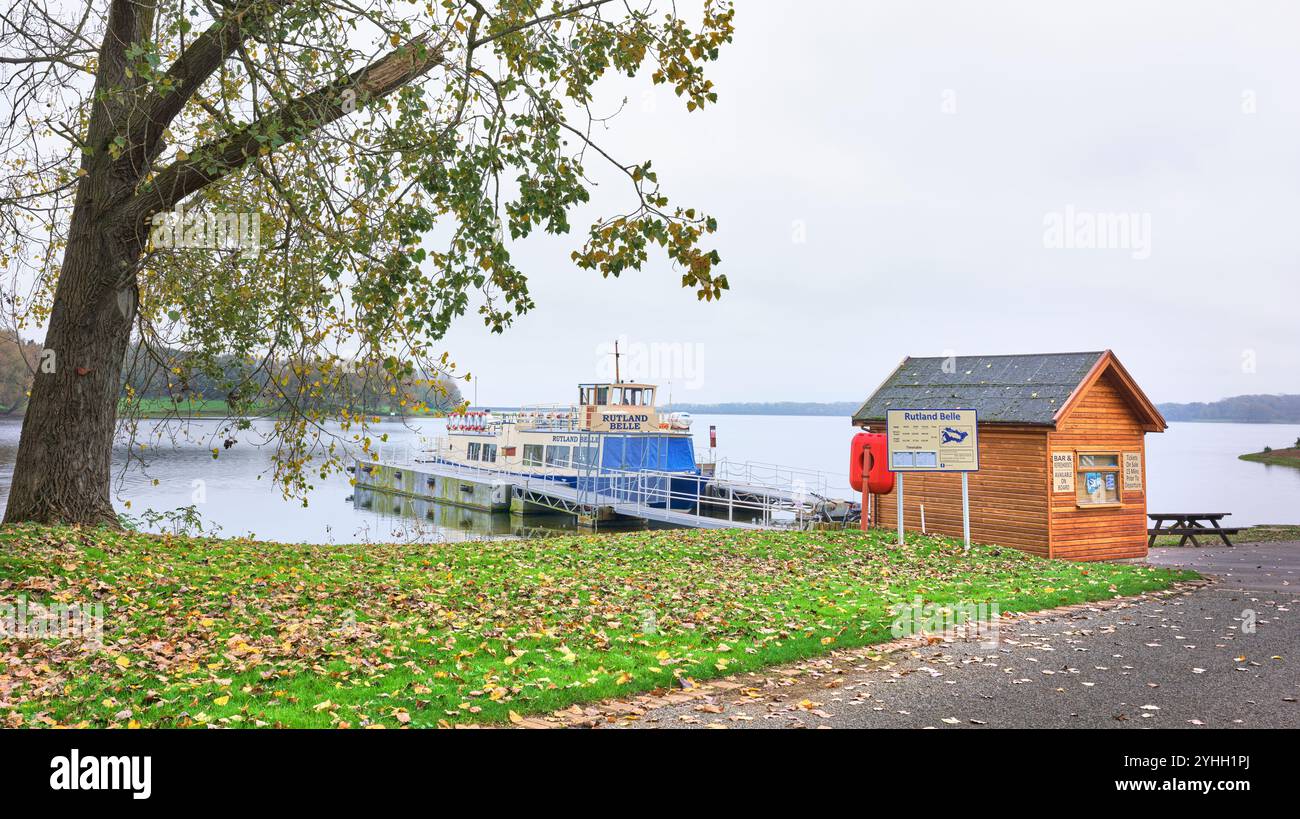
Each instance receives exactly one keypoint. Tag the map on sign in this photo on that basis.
(933, 440)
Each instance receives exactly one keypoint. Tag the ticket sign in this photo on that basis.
(933, 440)
(1133, 471)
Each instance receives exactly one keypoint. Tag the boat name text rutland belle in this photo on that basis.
(624, 421)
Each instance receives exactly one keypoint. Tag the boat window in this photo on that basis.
(602, 395)
(557, 456)
(473, 451)
(490, 453)
(532, 454)
(584, 456)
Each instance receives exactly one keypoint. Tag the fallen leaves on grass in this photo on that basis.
(240, 633)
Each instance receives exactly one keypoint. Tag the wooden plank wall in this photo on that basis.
(1008, 496)
(1102, 421)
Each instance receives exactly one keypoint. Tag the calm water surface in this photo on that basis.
(1192, 467)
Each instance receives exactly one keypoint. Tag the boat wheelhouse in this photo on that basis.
(615, 429)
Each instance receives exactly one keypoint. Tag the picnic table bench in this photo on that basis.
(1189, 525)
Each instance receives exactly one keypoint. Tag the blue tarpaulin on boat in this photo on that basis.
(657, 452)
(639, 453)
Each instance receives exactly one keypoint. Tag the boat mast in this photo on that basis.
(617, 380)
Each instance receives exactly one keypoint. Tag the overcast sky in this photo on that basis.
(888, 176)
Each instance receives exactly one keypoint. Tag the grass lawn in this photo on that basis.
(245, 633)
(1276, 457)
(1253, 534)
(192, 408)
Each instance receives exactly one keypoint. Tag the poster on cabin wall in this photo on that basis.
(1133, 471)
(1063, 472)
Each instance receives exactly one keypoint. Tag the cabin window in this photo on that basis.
(490, 453)
(1097, 479)
(532, 454)
(473, 452)
(584, 456)
(557, 456)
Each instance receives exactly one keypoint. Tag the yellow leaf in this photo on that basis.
(222, 700)
(123, 661)
(515, 718)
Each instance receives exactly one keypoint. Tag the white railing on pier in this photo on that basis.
(752, 490)
(779, 476)
(651, 493)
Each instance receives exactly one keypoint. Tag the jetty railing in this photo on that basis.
(778, 476)
(646, 492)
(751, 491)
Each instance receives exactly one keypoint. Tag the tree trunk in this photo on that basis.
(65, 457)
(63, 470)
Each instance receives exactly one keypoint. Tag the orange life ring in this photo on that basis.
(875, 447)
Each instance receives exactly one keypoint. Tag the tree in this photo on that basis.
(304, 185)
(19, 359)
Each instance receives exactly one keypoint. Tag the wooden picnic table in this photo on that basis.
(1189, 525)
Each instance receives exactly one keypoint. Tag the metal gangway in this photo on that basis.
(740, 495)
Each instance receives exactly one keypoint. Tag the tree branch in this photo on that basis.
(183, 78)
(536, 21)
(294, 120)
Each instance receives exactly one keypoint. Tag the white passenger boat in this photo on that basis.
(614, 430)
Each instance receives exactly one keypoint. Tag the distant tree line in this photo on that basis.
(154, 378)
(1249, 409)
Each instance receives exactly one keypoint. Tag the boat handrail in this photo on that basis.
(549, 417)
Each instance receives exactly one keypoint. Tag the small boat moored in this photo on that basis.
(613, 436)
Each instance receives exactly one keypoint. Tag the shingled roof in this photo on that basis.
(1007, 389)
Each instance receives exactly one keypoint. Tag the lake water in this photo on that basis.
(1192, 467)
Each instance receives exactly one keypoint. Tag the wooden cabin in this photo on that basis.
(1062, 452)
